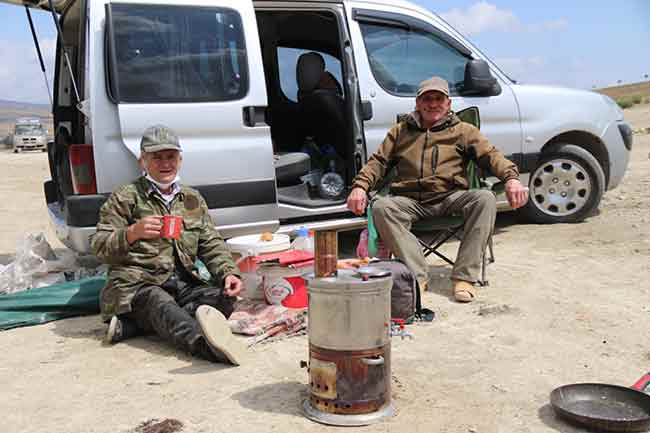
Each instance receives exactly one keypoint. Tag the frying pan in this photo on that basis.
(605, 407)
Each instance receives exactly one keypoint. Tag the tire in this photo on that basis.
(16, 150)
(565, 187)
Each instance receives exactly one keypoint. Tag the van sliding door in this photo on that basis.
(196, 67)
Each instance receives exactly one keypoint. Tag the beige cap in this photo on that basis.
(157, 138)
(433, 83)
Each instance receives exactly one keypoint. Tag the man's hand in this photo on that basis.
(357, 201)
(146, 228)
(232, 285)
(516, 193)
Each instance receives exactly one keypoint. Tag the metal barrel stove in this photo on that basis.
(349, 349)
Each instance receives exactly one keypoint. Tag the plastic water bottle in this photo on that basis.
(303, 240)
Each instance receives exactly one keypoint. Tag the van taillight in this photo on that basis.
(82, 165)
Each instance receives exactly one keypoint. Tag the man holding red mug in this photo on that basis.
(151, 232)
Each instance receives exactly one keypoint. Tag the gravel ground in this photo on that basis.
(567, 303)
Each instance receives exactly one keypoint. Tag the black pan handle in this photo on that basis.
(642, 383)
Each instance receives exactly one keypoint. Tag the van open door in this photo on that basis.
(196, 67)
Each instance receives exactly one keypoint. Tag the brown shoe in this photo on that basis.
(464, 291)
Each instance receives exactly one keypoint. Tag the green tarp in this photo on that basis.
(45, 304)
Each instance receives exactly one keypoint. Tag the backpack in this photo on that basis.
(405, 302)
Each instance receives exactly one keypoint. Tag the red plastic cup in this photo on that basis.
(171, 228)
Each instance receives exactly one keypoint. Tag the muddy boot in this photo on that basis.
(218, 337)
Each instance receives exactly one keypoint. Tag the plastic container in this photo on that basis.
(283, 286)
(304, 241)
(243, 249)
(251, 245)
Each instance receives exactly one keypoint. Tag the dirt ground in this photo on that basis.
(566, 303)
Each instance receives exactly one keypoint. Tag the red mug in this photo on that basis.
(171, 228)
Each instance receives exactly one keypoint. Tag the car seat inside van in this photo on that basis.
(307, 110)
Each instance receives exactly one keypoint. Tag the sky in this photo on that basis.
(571, 43)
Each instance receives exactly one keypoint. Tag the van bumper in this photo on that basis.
(619, 144)
(75, 238)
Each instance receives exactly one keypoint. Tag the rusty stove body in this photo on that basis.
(349, 348)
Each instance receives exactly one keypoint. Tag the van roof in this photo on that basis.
(60, 5)
(400, 4)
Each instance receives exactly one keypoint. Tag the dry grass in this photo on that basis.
(628, 91)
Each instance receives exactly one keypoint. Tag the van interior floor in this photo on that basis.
(298, 195)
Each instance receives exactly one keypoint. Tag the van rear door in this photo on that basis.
(196, 67)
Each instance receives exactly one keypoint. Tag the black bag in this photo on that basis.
(405, 302)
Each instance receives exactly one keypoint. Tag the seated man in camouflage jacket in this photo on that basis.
(153, 282)
(428, 151)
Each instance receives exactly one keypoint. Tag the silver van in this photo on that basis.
(29, 134)
(279, 103)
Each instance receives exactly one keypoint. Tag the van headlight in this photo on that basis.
(609, 101)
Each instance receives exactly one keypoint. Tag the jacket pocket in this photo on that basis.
(191, 236)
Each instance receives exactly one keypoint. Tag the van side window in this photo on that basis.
(177, 54)
(287, 61)
(400, 58)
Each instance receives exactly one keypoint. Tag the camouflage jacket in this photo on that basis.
(430, 163)
(151, 261)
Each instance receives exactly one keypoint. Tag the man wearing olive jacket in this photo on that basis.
(154, 284)
(428, 150)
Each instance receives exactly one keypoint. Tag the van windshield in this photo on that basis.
(29, 130)
(178, 54)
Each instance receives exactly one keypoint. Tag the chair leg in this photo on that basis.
(437, 242)
(490, 247)
(486, 261)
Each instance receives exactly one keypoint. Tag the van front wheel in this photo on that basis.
(566, 186)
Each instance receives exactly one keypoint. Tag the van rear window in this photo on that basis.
(177, 54)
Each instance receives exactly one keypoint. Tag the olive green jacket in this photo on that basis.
(431, 163)
(151, 261)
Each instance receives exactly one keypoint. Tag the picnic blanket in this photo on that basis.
(266, 323)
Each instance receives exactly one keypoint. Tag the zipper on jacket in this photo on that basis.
(424, 149)
(434, 159)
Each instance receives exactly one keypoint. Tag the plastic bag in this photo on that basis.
(362, 247)
(35, 265)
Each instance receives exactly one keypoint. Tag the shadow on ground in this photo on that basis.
(280, 397)
(92, 328)
(550, 419)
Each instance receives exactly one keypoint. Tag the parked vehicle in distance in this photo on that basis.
(279, 103)
(29, 134)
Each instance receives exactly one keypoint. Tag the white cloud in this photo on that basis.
(524, 69)
(480, 17)
(21, 78)
(484, 16)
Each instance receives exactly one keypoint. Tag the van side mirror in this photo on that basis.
(366, 110)
(479, 80)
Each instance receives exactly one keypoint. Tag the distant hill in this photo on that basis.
(641, 89)
(15, 105)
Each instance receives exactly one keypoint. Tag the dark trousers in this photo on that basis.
(169, 312)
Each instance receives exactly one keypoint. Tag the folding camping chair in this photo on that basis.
(445, 228)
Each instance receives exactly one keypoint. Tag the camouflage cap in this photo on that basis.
(433, 83)
(157, 138)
